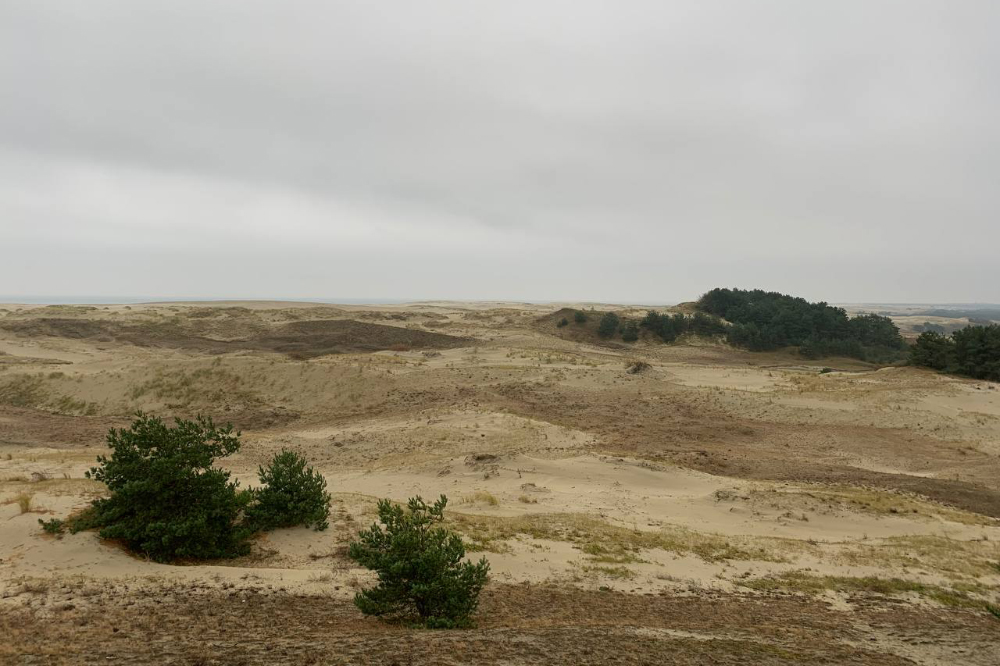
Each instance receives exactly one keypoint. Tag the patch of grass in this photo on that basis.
(951, 557)
(619, 573)
(802, 582)
(210, 385)
(883, 502)
(23, 502)
(488, 533)
(524, 499)
(993, 610)
(68, 405)
(480, 497)
(617, 555)
(23, 391)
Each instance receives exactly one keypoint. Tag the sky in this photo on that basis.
(619, 151)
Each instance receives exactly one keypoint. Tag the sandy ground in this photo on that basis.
(852, 514)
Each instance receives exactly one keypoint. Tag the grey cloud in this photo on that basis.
(638, 151)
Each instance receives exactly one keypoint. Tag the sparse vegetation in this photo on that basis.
(580, 317)
(803, 582)
(481, 497)
(23, 391)
(636, 366)
(420, 567)
(563, 322)
(489, 533)
(23, 502)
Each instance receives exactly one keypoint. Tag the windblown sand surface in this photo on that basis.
(718, 507)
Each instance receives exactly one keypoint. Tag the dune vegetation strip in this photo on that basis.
(962, 596)
(611, 543)
(953, 558)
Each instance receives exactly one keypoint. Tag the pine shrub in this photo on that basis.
(420, 567)
(167, 501)
(292, 493)
(608, 325)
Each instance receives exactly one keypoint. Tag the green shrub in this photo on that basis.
(167, 501)
(630, 331)
(420, 567)
(54, 526)
(563, 322)
(608, 325)
(579, 317)
(292, 494)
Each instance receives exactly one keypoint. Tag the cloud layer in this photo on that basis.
(639, 151)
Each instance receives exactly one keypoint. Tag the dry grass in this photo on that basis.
(488, 533)
(800, 581)
(950, 557)
(884, 502)
(480, 497)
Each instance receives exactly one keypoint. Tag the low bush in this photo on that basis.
(292, 493)
(635, 367)
(579, 317)
(563, 322)
(54, 526)
(420, 567)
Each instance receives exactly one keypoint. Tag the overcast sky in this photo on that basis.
(573, 150)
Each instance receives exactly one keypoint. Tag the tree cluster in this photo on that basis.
(973, 351)
(670, 327)
(167, 501)
(766, 320)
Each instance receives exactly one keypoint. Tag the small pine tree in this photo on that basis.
(292, 494)
(630, 331)
(167, 501)
(579, 317)
(608, 325)
(420, 566)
